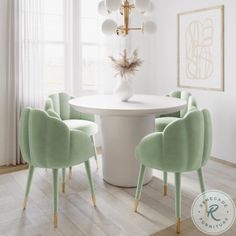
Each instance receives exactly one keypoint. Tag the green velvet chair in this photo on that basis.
(47, 142)
(162, 121)
(57, 105)
(184, 145)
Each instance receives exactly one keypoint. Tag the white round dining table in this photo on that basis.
(123, 125)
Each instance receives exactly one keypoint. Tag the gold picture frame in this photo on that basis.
(200, 38)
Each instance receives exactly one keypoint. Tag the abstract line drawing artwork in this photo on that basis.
(199, 42)
(200, 49)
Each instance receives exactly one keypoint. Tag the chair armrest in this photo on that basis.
(192, 104)
(81, 147)
(52, 113)
(74, 114)
(48, 104)
(150, 150)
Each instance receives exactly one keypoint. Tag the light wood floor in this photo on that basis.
(114, 214)
(188, 228)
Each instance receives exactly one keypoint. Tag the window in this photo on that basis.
(54, 46)
(89, 45)
(57, 59)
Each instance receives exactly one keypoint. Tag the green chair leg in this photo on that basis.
(165, 178)
(90, 180)
(178, 200)
(55, 196)
(70, 172)
(63, 179)
(201, 180)
(202, 186)
(139, 186)
(95, 151)
(29, 181)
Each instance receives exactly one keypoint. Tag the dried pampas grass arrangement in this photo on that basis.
(126, 66)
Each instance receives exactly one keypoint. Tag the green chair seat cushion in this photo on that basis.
(162, 122)
(88, 127)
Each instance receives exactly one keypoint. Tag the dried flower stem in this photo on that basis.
(126, 66)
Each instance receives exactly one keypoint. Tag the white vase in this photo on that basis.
(123, 90)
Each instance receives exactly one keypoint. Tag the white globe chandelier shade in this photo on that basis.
(102, 10)
(125, 7)
(113, 5)
(142, 5)
(109, 27)
(149, 27)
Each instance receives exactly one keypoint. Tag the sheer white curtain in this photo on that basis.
(69, 44)
(31, 82)
(9, 153)
(21, 82)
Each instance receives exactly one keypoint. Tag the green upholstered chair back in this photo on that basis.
(184, 145)
(44, 141)
(59, 103)
(185, 96)
(192, 138)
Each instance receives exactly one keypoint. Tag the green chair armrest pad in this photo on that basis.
(162, 122)
(81, 147)
(52, 113)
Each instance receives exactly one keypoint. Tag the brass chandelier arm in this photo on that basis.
(110, 27)
(125, 9)
(121, 30)
(138, 28)
(123, 6)
(132, 28)
(126, 16)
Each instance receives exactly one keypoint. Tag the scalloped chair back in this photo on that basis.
(192, 138)
(44, 141)
(191, 102)
(184, 145)
(59, 103)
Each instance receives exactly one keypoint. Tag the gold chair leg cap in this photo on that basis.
(178, 225)
(165, 190)
(63, 187)
(55, 220)
(94, 200)
(25, 203)
(136, 205)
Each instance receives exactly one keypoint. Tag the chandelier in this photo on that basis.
(125, 7)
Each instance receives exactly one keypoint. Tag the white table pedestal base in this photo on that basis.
(121, 134)
(123, 125)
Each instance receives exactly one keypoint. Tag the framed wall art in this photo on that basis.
(201, 49)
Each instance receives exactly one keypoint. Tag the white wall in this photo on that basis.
(222, 105)
(146, 44)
